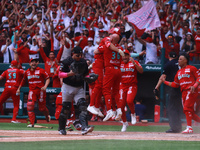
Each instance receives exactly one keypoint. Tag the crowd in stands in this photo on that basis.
(35, 28)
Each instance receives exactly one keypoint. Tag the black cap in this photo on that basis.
(77, 50)
(172, 54)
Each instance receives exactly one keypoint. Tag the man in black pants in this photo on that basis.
(174, 107)
(72, 89)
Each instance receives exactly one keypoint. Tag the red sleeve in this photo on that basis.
(42, 53)
(46, 75)
(4, 74)
(137, 63)
(176, 81)
(24, 79)
(52, 45)
(32, 52)
(163, 36)
(20, 48)
(60, 54)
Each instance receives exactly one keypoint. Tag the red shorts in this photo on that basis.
(188, 100)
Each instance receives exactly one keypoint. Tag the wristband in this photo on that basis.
(62, 74)
(195, 85)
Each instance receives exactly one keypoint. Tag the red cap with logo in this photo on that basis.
(14, 63)
(114, 30)
(126, 51)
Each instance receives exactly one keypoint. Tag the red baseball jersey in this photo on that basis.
(36, 78)
(111, 58)
(13, 76)
(186, 77)
(129, 72)
(197, 41)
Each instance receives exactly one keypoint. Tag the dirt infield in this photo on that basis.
(22, 136)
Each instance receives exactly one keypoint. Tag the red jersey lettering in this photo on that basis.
(129, 72)
(13, 76)
(186, 77)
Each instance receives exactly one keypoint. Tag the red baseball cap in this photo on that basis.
(114, 30)
(32, 59)
(126, 51)
(14, 63)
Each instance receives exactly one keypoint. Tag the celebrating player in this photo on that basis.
(98, 68)
(13, 77)
(128, 86)
(37, 90)
(112, 75)
(188, 79)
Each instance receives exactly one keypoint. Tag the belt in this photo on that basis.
(115, 67)
(11, 87)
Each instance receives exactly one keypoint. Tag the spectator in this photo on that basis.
(140, 110)
(7, 50)
(88, 51)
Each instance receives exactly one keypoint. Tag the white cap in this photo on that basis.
(90, 39)
(130, 44)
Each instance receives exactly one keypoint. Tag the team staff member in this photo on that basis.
(188, 79)
(128, 86)
(174, 107)
(37, 90)
(72, 89)
(13, 77)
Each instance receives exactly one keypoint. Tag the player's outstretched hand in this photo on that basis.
(192, 89)
(43, 88)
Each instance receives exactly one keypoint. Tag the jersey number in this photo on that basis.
(114, 55)
(12, 75)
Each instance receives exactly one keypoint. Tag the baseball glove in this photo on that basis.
(78, 67)
(91, 78)
(156, 93)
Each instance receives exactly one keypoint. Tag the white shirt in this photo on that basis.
(33, 48)
(6, 53)
(88, 53)
(151, 53)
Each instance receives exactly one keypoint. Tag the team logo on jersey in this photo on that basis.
(122, 65)
(130, 64)
(37, 71)
(187, 70)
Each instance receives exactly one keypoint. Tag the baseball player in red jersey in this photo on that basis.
(37, 90)
(112, 76)
(98, 68)
(188, 78)
(13, 77)
(128, 86)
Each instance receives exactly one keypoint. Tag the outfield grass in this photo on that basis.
(102, 144)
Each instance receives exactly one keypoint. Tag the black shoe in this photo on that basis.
(172, 131)
(63, 132)
(87, 129)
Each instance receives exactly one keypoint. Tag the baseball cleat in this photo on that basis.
(119, 114)
(100, 114)
(15, 121)
(124, 127)
(63, 132)
(133, 119)
(113, 117)
(87, 130)
(188, 130)
(30, 126)
(108, 115)
(92, 110)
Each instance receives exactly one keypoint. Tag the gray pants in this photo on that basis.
(70, 93)
(174, 107)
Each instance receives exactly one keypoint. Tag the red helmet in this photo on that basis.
(114, 30)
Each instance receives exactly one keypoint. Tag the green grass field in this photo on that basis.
(99, 144)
